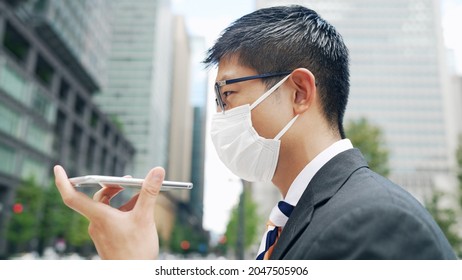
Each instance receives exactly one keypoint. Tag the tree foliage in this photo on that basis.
(61, 221)
(24, 226)
(369, 140)
(459, 169)
(44, 218)
(183, 232)
(446, 218)
(251, 223)
(55, 216)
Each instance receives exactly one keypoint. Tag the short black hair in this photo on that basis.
(283, 38)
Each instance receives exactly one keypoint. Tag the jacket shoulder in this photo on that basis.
(370, 217)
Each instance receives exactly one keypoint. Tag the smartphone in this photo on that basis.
(92, 180)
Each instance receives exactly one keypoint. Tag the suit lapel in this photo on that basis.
(327, 181)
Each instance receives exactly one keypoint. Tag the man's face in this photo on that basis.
(268, 117)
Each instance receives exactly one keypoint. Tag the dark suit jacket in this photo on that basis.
(350, 212)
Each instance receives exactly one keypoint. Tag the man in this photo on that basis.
(282, 89)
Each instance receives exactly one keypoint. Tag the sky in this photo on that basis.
(452, 23)
(208, 18)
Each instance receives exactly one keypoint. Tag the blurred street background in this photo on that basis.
(116, 87)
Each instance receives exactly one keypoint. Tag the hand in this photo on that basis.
(125, 233)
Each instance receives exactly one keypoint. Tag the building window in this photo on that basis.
(75, 140)
(43, 71)
(32, 168)
(79, 106)
(8, 156)
(114, 166)
(90, 154)
(63, 90)
(94, 120)
(60, 129)
(103, 160)
(13, 83)
(9, 121)
(75, 147)
(38, 138)
(15, 43)
(106, 130)
(42, 105)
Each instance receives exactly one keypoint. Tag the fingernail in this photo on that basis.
(157, 174)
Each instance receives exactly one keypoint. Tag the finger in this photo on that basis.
(130, 204)
(149, 191)
(73, 198)
(105, 194)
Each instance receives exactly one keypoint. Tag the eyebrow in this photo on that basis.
(224, 78)
(232, 76)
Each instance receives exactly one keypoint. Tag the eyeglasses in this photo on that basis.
(219, 84)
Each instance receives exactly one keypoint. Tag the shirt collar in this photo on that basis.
(300, 183)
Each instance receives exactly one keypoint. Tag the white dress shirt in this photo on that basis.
(300, 183)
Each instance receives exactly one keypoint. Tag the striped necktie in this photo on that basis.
(278, 219)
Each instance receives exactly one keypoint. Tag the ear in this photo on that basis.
(304, 85)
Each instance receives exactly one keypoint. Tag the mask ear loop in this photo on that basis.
(266, 94)
(284, 130)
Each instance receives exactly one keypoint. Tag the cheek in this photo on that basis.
(236, 100)
(269, 121)
(272, 114)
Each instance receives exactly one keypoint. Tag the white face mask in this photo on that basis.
(247, 154)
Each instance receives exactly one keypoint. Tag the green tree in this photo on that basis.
(183, 234)
(55, 222)
(251, 223)
(369, 140)
(77, 234)
(459, 169)
(24, 225)
(446, 218)
(59, 221)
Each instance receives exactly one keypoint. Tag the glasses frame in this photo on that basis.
(221, 83)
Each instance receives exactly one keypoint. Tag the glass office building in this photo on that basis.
(84, 26)
(138, 86)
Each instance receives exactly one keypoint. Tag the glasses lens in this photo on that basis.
(218, 97)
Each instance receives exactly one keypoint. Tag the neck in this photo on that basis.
(298, 151)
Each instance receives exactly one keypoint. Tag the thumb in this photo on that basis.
(149, 191)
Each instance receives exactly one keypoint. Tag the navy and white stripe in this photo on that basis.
(278, 218)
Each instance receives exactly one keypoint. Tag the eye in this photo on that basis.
(227, 93)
